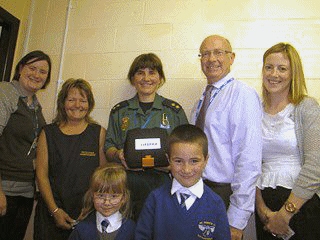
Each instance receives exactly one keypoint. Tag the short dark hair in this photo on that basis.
(84, 87)
(188, 133)
(32, 57)
(147, 60)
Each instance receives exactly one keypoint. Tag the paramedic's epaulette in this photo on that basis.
(119, 106)
(172, 105)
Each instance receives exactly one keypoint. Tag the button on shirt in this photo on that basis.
(233, 127)
(194, 191)
(115, 221)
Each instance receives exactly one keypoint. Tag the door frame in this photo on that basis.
(8, 39)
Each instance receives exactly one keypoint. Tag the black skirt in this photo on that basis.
(305, 224)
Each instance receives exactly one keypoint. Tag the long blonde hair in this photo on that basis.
(298, 88)
(110, 178)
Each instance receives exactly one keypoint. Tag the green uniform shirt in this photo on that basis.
(127, 115)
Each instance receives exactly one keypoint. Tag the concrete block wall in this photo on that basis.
(98, 39)
(104, 36)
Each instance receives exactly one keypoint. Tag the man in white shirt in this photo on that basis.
(232, 123)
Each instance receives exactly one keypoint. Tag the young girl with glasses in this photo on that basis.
(106, 207)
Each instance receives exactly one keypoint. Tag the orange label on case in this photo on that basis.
(148, 161)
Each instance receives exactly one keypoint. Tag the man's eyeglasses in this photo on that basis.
(113, 199)
(217, 53)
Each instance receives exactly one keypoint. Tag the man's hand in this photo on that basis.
(236, 234)
(3, 204)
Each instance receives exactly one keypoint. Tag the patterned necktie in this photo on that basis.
(104, 225)
(184, 197)
(202, 113)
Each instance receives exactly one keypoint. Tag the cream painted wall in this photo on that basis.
(104, 36)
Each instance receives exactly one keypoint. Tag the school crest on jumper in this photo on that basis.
(207, 229)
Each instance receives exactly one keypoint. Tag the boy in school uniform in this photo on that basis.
(185, 208)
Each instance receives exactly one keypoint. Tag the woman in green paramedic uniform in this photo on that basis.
(146, 109)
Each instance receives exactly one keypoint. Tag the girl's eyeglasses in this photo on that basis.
(113, 199)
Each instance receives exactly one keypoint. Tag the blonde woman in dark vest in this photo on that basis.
(69, 150)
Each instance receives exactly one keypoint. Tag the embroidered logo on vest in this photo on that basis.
(86, 153)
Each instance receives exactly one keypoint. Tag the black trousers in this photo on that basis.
(222, 189)
(305, 224)
(14, 224)
(140, 184)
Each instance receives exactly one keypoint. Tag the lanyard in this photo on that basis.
(36, 132)
(146, 123)
(34, 109)
(35, 123)
(213, 96)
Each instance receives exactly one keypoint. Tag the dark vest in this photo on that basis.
(72, 160)
(16, 140)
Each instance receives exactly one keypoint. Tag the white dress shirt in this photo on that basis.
(233, 127)
(194, 191)
(115, 221)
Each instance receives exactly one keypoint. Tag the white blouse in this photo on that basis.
(280, 156)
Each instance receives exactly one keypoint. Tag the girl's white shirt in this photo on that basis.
(115, 221)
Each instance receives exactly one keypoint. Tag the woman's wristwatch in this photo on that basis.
(290, 207)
